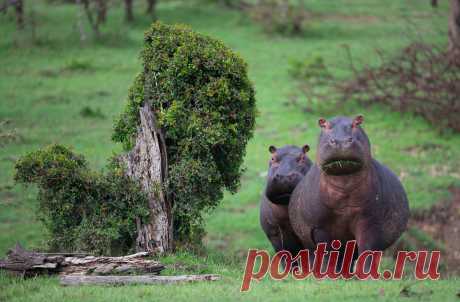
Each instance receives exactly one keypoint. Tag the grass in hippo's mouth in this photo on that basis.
(342, 165)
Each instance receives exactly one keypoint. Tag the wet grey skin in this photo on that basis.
(347, 194)
(287, 166)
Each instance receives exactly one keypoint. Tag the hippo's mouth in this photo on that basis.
(279, 198)
(342, 166)
(283, 196)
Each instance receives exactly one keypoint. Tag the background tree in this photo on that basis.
(204, 105)
(187, 120)
(151, 6)
(96, 13)
(454, 28)
(18, 6)
(19, 9)
(129, 15)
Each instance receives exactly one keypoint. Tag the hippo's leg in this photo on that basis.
(321, 236)
(276, 239)
(368, 238)
(284, 240)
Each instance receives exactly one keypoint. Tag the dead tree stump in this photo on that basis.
(147, 164)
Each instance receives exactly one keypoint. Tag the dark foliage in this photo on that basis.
(314, 83)
(423, 79)
(89, 112)
(280, 16)
(204, 103)
(276, 16)
(83, 210)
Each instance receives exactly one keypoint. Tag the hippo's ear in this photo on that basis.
(359, 119)
(272, 149)
(323, 123)
(305, 148)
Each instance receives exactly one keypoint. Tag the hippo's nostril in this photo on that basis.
(294, 178)
(350, 140)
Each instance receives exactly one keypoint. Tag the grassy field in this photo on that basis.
(46, 85)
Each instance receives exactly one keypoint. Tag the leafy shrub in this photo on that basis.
(89, 112)
(280, 16)
(205, 105)
(309, 69)
(77, 65)
(423, 79)
(82, 209)
(312, 76)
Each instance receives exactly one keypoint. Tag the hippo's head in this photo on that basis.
(287, 167)
(343, 147)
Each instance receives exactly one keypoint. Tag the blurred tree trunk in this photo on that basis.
(129, 16)
(94, 6)
(151, 6)
(19, 9)
(18, 6)
(101, 8)
(434, 3)
(454, 27)
(80, 21)
(89, 14)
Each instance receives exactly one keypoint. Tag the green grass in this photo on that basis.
(46, 85)
(228, 290)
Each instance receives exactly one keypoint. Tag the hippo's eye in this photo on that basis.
(274, 162)
(301, 158)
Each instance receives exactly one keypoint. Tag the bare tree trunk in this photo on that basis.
(101, 8)
(454, 27)
(81, 29)
(4, 6)
(100, 14)
(129, 16)
(147, 163)
(19, 9)
(151, 6)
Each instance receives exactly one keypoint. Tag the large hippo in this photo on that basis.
(288, 165)
(348, 195)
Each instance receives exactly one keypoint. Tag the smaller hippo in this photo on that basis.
(287, 167)
(347, 194)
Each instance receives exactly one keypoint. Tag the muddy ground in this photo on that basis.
(437, 228)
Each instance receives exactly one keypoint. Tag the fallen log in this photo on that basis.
(27, 263)
(75, 280)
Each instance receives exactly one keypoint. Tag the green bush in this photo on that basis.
(280, 16)
(310, 69)
(205, 105)
(83, 210)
